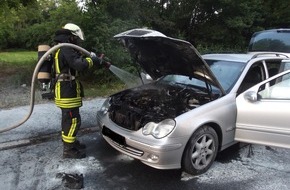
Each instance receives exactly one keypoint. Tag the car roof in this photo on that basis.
(243, 57)
(229, 57)
(275, 30)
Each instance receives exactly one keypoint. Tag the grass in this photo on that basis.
(16, 68)
(18, 58)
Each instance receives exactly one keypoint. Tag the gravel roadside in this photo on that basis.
(18, 96)
(21, 96)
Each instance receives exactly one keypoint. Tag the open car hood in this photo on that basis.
(160, 55)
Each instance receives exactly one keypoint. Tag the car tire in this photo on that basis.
(200, 151)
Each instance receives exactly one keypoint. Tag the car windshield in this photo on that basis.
(277, 41)
(226, 72)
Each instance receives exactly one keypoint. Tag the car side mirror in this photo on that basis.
(251, 96)
(146, 78)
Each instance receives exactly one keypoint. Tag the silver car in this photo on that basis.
(188, 113)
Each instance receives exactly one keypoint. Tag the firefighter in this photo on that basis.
(68, 90)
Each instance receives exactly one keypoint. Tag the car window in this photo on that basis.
(254, 75)
(226, 72)
(284, 66)
(273, 67)
(271, 41)
(278, 88)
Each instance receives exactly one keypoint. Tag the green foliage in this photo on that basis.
(15, 17)
(42, 34)
(276, 14)
(215, 48)
(25, 24)
(211, 25)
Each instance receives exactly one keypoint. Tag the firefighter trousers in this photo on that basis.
(70, 123)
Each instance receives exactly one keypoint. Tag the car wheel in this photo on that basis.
(200, 151)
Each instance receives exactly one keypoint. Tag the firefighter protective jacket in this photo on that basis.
(68, 91)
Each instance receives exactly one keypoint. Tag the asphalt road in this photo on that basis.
(31, 158)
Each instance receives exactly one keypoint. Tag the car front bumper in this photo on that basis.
(163, 153)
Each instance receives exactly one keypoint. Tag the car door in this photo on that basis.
(263, 112)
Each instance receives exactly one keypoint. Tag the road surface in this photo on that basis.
(31, 158)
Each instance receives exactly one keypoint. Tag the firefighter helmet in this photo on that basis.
(75, 30)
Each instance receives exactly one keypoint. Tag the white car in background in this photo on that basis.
(272, 40)
(189, 112)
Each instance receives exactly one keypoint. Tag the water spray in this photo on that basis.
(129, 79)
(34, 76)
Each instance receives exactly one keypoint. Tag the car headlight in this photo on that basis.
(159, 130)
(105, 107)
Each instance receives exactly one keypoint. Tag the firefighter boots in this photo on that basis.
(79, 145)
(70, 151)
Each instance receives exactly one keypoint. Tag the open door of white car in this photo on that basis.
(263, 112)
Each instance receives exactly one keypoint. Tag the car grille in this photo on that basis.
(120, 142)
(130, 120)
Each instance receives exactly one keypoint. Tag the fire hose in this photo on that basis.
(34, 76)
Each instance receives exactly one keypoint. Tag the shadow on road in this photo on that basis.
(123, 171)
(229, 154)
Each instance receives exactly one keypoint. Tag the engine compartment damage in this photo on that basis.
(133, 108)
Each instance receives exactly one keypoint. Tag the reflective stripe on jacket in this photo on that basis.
(68, 93)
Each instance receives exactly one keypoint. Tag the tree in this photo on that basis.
(14, 15)
(226, 23)
(276, 14)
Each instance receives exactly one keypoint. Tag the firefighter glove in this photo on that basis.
(107, 64)
(96, 60)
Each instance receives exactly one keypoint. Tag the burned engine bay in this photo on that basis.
(133, 108)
